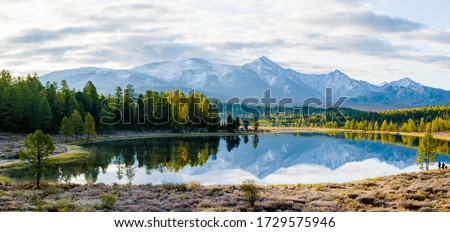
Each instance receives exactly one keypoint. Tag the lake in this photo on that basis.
(274, 158)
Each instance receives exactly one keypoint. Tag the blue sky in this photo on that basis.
(376, 41)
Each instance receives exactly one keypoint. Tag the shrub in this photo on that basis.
(4, 180)
(174, 186)
(63, 205)
(108, 201)
(194, 185)
(251, 192)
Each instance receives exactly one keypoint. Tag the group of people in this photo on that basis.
(442, 166)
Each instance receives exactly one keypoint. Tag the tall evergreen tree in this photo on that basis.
(91, 100)
(255, 122)
(426, 153)
(66, 128)
(45, 115)
(230, 124)
(33, 112)
(237, 123)
(77, 123)
(89, 126)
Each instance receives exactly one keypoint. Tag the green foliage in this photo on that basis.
(245, 123)
(66, 128)
(174, 186)
(4, 180)
(230, 125)
(26, 105)
(77, 123)
(45, 116)
(250, 191)
(38, 146)
(255, 122)
(89, 126)
(108, 201)
(62, 205)
(426, 153)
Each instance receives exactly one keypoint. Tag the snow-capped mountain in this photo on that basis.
(252, 80)
(341, 84)
(400, 94)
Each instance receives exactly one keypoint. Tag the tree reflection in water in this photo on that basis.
(125, 157)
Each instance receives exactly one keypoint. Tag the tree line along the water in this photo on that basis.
(430, 118)
(27, 105)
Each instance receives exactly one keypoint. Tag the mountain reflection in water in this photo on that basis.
(268, 158)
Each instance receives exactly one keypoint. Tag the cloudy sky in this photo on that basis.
(377, 40)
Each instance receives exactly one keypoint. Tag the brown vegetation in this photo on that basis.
(424, 191)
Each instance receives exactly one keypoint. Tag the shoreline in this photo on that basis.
(439, 135)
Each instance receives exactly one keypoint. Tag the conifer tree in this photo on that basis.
(66, 128)
(89, 126)
(77, 123)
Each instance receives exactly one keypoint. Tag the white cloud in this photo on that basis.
(310, 36)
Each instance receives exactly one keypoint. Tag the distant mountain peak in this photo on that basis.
(337, 74)
(382, 83)
(406, 82)
(337, 71)
(197, 60)
(264, 62)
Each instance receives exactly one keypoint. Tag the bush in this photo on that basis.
(4, 180)
(108, 201)
(63, 205)
(194, 185)
(174, 186)
(251, 192)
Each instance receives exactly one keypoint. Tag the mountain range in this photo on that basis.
(252, 80)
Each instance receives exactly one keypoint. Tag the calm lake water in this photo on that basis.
(267, 158)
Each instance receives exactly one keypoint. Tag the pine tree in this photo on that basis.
(426, 153)
(376, 127)
(384, 126)
(89, 126)
(411, 125)
(255, 122)
(347, 124)
(38, 146)
(237, 123)
(66, 128)
(45, 115)
(246, 123)
(90, 100)
(230, 124)
(422, 125)
(428, 127)
(184, 115)
(77, 123)
(33, 109)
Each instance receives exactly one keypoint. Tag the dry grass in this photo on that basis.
(424, 191)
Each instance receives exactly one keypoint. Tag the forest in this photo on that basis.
(27, 105)
(422, 119)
